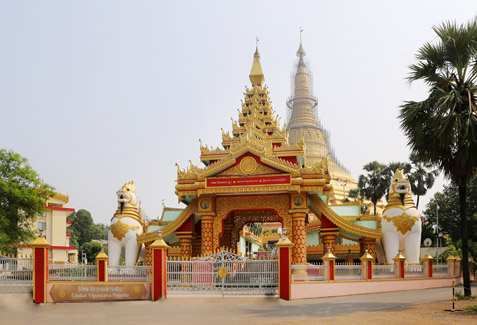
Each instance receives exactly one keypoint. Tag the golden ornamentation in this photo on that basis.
(222, 273)
(299, 238)
(119, 229)
(319, 207)
(226, 204)
(259, 170)
(403, 222)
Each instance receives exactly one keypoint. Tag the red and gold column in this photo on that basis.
(159, 269)
(299, 237)
(284, 268)
(102, 266)
(207, 234)
(328, 239)
(40, 269)
(368, 244)
(367, 261)
(185, 240)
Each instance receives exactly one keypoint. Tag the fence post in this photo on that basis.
(399, 265)
(451, 264)
(367, 261)
(427, 261)
(159, 269)
(329, 262)
(458, 266)
(284, 268)
(40, 269)
(102, 265)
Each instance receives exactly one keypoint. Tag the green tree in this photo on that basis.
(354, 194)
(422, 176)
(373, 186)
(82, 226)
(22, 198)
(449, 218)
(91, 249)
(442, 129)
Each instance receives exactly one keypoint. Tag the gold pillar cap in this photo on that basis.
(366, 257)
(328, 256)
(399, 257)
(40, 242)
(450, 258)
(159, 243)
(428, 257)
(458, 259)
(284, 242)
(102, 256)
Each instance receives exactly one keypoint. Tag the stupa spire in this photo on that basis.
(256, 75)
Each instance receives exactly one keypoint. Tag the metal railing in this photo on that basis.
(440, 270)
(414, 271)
(310, 272)
(129, 273)
(348, 271)
(243, 277)
(72, 272)
(16, 274)
(383, 272)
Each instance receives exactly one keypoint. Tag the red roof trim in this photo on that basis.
(58, 208)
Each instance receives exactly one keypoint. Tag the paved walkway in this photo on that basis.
(18, 309)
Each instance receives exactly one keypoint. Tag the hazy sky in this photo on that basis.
(97, 93)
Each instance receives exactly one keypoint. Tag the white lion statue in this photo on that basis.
(126, 225)
(401, 224)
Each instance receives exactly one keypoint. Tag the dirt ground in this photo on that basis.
(432, 313)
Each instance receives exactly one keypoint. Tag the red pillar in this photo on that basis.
(102, 265)
(427, 263)
(40, 269)
(367, 264)
(329, 263)
(451, 264)
(399, 260)
(284, 268)
(159, 269)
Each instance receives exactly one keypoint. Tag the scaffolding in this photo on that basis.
(302, 116)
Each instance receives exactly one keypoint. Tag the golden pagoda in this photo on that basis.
(304, 126)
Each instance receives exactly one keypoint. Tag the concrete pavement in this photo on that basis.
(18, 309)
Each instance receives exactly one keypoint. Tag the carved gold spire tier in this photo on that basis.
(257, 132)
(303, 125)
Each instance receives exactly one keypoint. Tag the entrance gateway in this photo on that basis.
(223, 273)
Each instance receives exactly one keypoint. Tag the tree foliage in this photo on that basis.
(83, 229)
(442, 129)
(421, 177)
(22, 198)
(373, 186)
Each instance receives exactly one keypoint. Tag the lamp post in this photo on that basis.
(437, 233)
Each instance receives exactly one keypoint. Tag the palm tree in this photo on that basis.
(442, 129)
(374, 185)
(421, 177)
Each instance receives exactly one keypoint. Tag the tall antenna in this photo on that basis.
(301, 31)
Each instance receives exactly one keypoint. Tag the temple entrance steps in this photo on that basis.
(223, 273)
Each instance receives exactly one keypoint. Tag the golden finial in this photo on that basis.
(301, 51)
(257, 54)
